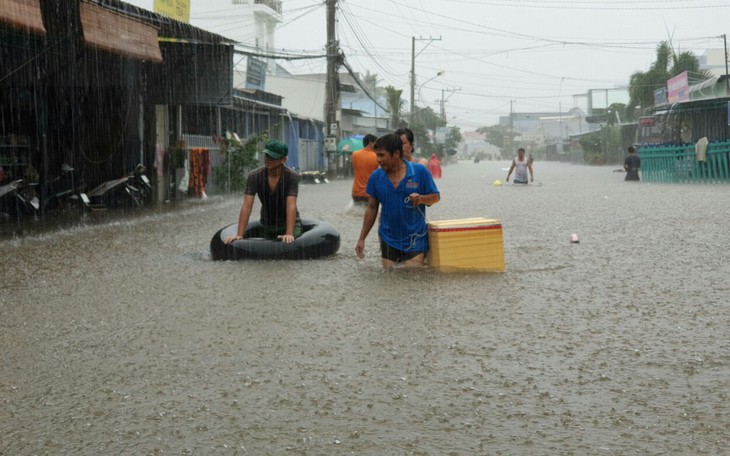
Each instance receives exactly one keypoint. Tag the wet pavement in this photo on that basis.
(121, 336)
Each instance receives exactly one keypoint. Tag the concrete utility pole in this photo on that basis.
(332, 87)
(727, 81)
(511, 128)
(413, 69)
(443, 100)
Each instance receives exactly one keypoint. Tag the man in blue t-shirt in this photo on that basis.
(403, 189)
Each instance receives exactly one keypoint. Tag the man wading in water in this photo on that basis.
(403, 189)
(520, 165)
(632, 163)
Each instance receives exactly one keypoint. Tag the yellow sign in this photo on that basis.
(175, 9)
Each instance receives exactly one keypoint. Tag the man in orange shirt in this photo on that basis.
(364, 162)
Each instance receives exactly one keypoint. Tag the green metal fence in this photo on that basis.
(678, 164)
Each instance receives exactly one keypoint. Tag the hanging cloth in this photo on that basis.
(199, 170)
(701, 149)
(185, 180)
(159, 159)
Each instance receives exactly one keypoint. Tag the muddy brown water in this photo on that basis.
(121, 336)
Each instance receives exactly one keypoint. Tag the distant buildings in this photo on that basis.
(473, 145)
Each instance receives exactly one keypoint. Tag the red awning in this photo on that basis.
(22, 14)
(113, 32)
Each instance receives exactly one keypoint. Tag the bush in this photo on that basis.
(239, 157)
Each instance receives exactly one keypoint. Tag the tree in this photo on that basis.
(498, 135)
(643, 84)
(615, 114)
(452, 141)
(454, 138)
(239, 157)
(424, 124)
(395, 105)
(603, 146)
(370, 82)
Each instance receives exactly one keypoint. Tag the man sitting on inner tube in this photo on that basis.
(277, 187)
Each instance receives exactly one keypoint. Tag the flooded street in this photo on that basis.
(123, 337)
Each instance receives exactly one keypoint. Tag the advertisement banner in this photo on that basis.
(660, 96)
(175, 9)
(678, 88)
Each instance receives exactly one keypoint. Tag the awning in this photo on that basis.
(115, 33)
(22, 14)
(259, 103)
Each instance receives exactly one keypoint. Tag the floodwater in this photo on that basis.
(121, 336)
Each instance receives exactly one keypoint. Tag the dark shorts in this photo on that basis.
(272, 232)
(395, 255)
(360, 199)
(519, 181)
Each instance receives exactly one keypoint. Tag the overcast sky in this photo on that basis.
(532, 55)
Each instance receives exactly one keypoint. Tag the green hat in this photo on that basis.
(276, 149)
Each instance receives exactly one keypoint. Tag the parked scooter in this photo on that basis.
(141, 184)
(133, 190)
(16, 204)
(314, 177)
(64, 193)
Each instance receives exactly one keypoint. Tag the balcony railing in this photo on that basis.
(273, 4)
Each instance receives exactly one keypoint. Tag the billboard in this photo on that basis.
(175, 9)
(678, 88)
(600, 99)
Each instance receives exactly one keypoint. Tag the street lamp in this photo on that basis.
(421, 86)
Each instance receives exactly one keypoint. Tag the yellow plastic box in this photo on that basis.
(473, 244)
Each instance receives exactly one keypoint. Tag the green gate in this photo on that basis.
(678, 164)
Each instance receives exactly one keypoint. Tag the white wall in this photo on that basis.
(303, 97)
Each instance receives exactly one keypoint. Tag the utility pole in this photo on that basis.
(443, 109)
(511, 129)
(332, 86)
(443, 100)
(413, 69)
(727, 81)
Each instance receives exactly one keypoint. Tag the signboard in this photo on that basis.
(596, 119)
(442, 133)
(660, 96)
(255, 74)
(175, 9)
(647, 121)
(599, 100)
(678, 88)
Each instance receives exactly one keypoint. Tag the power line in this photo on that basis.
(356, 78)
